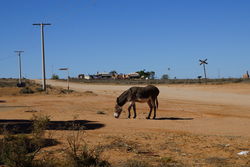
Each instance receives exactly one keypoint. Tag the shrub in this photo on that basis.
(54, 76)
(17, 151)
(20, 150)
(26, 90)
(40, 123)
(85, 157)
(79, 155)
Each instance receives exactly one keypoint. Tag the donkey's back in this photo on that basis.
(149, 91)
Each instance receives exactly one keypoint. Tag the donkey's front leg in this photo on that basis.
(129, 108)
(134, 108)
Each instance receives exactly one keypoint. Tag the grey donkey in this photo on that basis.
(138, 94)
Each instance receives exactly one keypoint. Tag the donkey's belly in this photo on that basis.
(142, 100)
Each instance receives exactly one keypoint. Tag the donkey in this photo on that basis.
(138, 94)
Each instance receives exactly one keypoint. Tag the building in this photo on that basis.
(133, 76)
(246, 76)
(81, 76)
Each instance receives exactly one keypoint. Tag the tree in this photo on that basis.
(165, 76)
(146, 74)
(113, 72)
(141, 73)
(54, 76)
(151, 75)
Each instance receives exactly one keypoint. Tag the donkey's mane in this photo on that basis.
(122, 99)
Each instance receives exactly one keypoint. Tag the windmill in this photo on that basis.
(204, 62)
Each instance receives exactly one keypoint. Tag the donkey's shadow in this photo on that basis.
(174, 118)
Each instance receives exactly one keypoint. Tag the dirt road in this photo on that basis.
(180, 92)
(214, 110)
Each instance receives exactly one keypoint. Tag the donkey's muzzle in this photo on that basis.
(116, 115)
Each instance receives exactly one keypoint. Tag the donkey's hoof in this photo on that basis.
(147, 117)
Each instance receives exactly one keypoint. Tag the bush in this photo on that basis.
(54, 76)
(26, 90)
(40, 123)
(81, 156)
(85, 157)
(20, 150)
(17, 151)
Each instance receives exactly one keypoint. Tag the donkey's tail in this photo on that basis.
(157, 104)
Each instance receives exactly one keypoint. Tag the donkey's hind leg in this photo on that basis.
(151, 107)
(134, 108)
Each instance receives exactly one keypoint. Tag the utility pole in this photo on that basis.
(20, 67)
(43, 52)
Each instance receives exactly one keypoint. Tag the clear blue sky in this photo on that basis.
(127, 35)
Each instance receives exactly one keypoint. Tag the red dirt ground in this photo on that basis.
(198, 125)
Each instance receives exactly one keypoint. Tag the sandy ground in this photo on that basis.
(213, 109)
(197, 125)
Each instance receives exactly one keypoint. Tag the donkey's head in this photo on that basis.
(118, 109)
